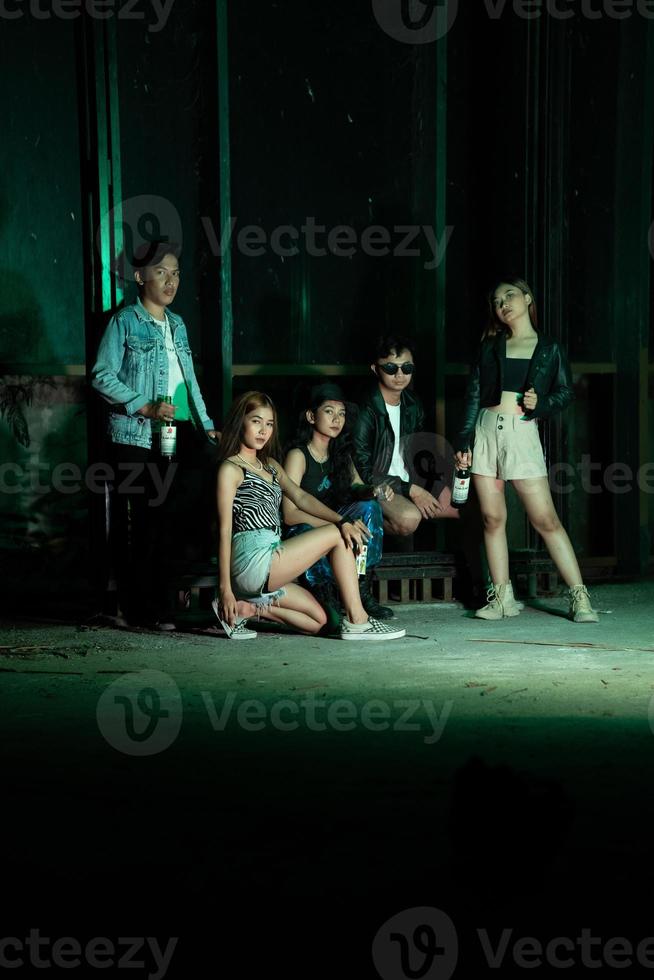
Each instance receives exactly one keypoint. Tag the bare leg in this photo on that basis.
(297, 608)
(493, 511)
(537, 500)
(301, 552)
(401, 517)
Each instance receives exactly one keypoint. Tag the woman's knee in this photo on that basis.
(494, 522)
(318, 618)
(546, 523)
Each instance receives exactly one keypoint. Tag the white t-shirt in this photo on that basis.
(397, 467)
(176, 383)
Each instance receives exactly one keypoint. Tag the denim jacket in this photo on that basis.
(132, 369)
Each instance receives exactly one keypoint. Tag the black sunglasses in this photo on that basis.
(407, 368)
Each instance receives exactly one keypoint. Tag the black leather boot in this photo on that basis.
(328, 597)
(368, 601)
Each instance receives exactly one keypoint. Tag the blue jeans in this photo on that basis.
(367, 511)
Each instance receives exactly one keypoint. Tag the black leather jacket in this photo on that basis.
(549, 375)
(374, 440)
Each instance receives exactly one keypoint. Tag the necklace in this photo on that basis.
(320, 462)
(260, 466)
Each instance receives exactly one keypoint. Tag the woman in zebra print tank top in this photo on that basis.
(256, 569)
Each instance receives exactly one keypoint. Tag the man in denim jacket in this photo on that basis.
(144, 356)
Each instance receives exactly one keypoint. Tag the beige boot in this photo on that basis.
(511, 605)
(581, 610)
(501, 603)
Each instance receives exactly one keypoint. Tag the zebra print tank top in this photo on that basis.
(257, 503)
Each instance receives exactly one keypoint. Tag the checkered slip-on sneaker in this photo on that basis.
(374, 629)
(236, 632)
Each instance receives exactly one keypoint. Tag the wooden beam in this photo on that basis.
(632, 268)
(226, 298)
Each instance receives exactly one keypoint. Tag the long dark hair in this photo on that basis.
(493, 326)
(339, 449)
(230, 441)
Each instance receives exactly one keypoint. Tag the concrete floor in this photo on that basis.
(308, 789)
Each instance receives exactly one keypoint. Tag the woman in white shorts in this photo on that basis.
(520, 377)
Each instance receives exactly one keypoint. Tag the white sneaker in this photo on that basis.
(374, 629)
(236, 632)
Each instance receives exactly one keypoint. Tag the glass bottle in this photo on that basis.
(168, 434)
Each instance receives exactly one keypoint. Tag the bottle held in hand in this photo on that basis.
(361, 559)
(168, 434)
(461, 488)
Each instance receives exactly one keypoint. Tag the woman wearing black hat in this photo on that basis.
(320, 461)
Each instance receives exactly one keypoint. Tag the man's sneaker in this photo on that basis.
(581, 610)
(501, 603)
(374, 629)
(236, 632)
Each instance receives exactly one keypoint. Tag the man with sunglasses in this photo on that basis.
(387, 417)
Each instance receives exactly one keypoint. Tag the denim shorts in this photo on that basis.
(252, 556)
(507, 447)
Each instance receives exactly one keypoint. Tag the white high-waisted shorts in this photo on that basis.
(507, 447)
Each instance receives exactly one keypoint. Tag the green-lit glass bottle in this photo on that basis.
(168, 434)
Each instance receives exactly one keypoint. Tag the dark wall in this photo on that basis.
(333, 119)
(321, 130)
(41, 296)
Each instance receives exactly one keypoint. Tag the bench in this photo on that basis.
(414, 575)
(538, 569)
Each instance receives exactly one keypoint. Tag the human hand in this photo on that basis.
(425, 502)
(463, 460)
(384, 492)
(354, 533)
(159, 411)
(213, 434)
(228, 606)
(530, 400)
